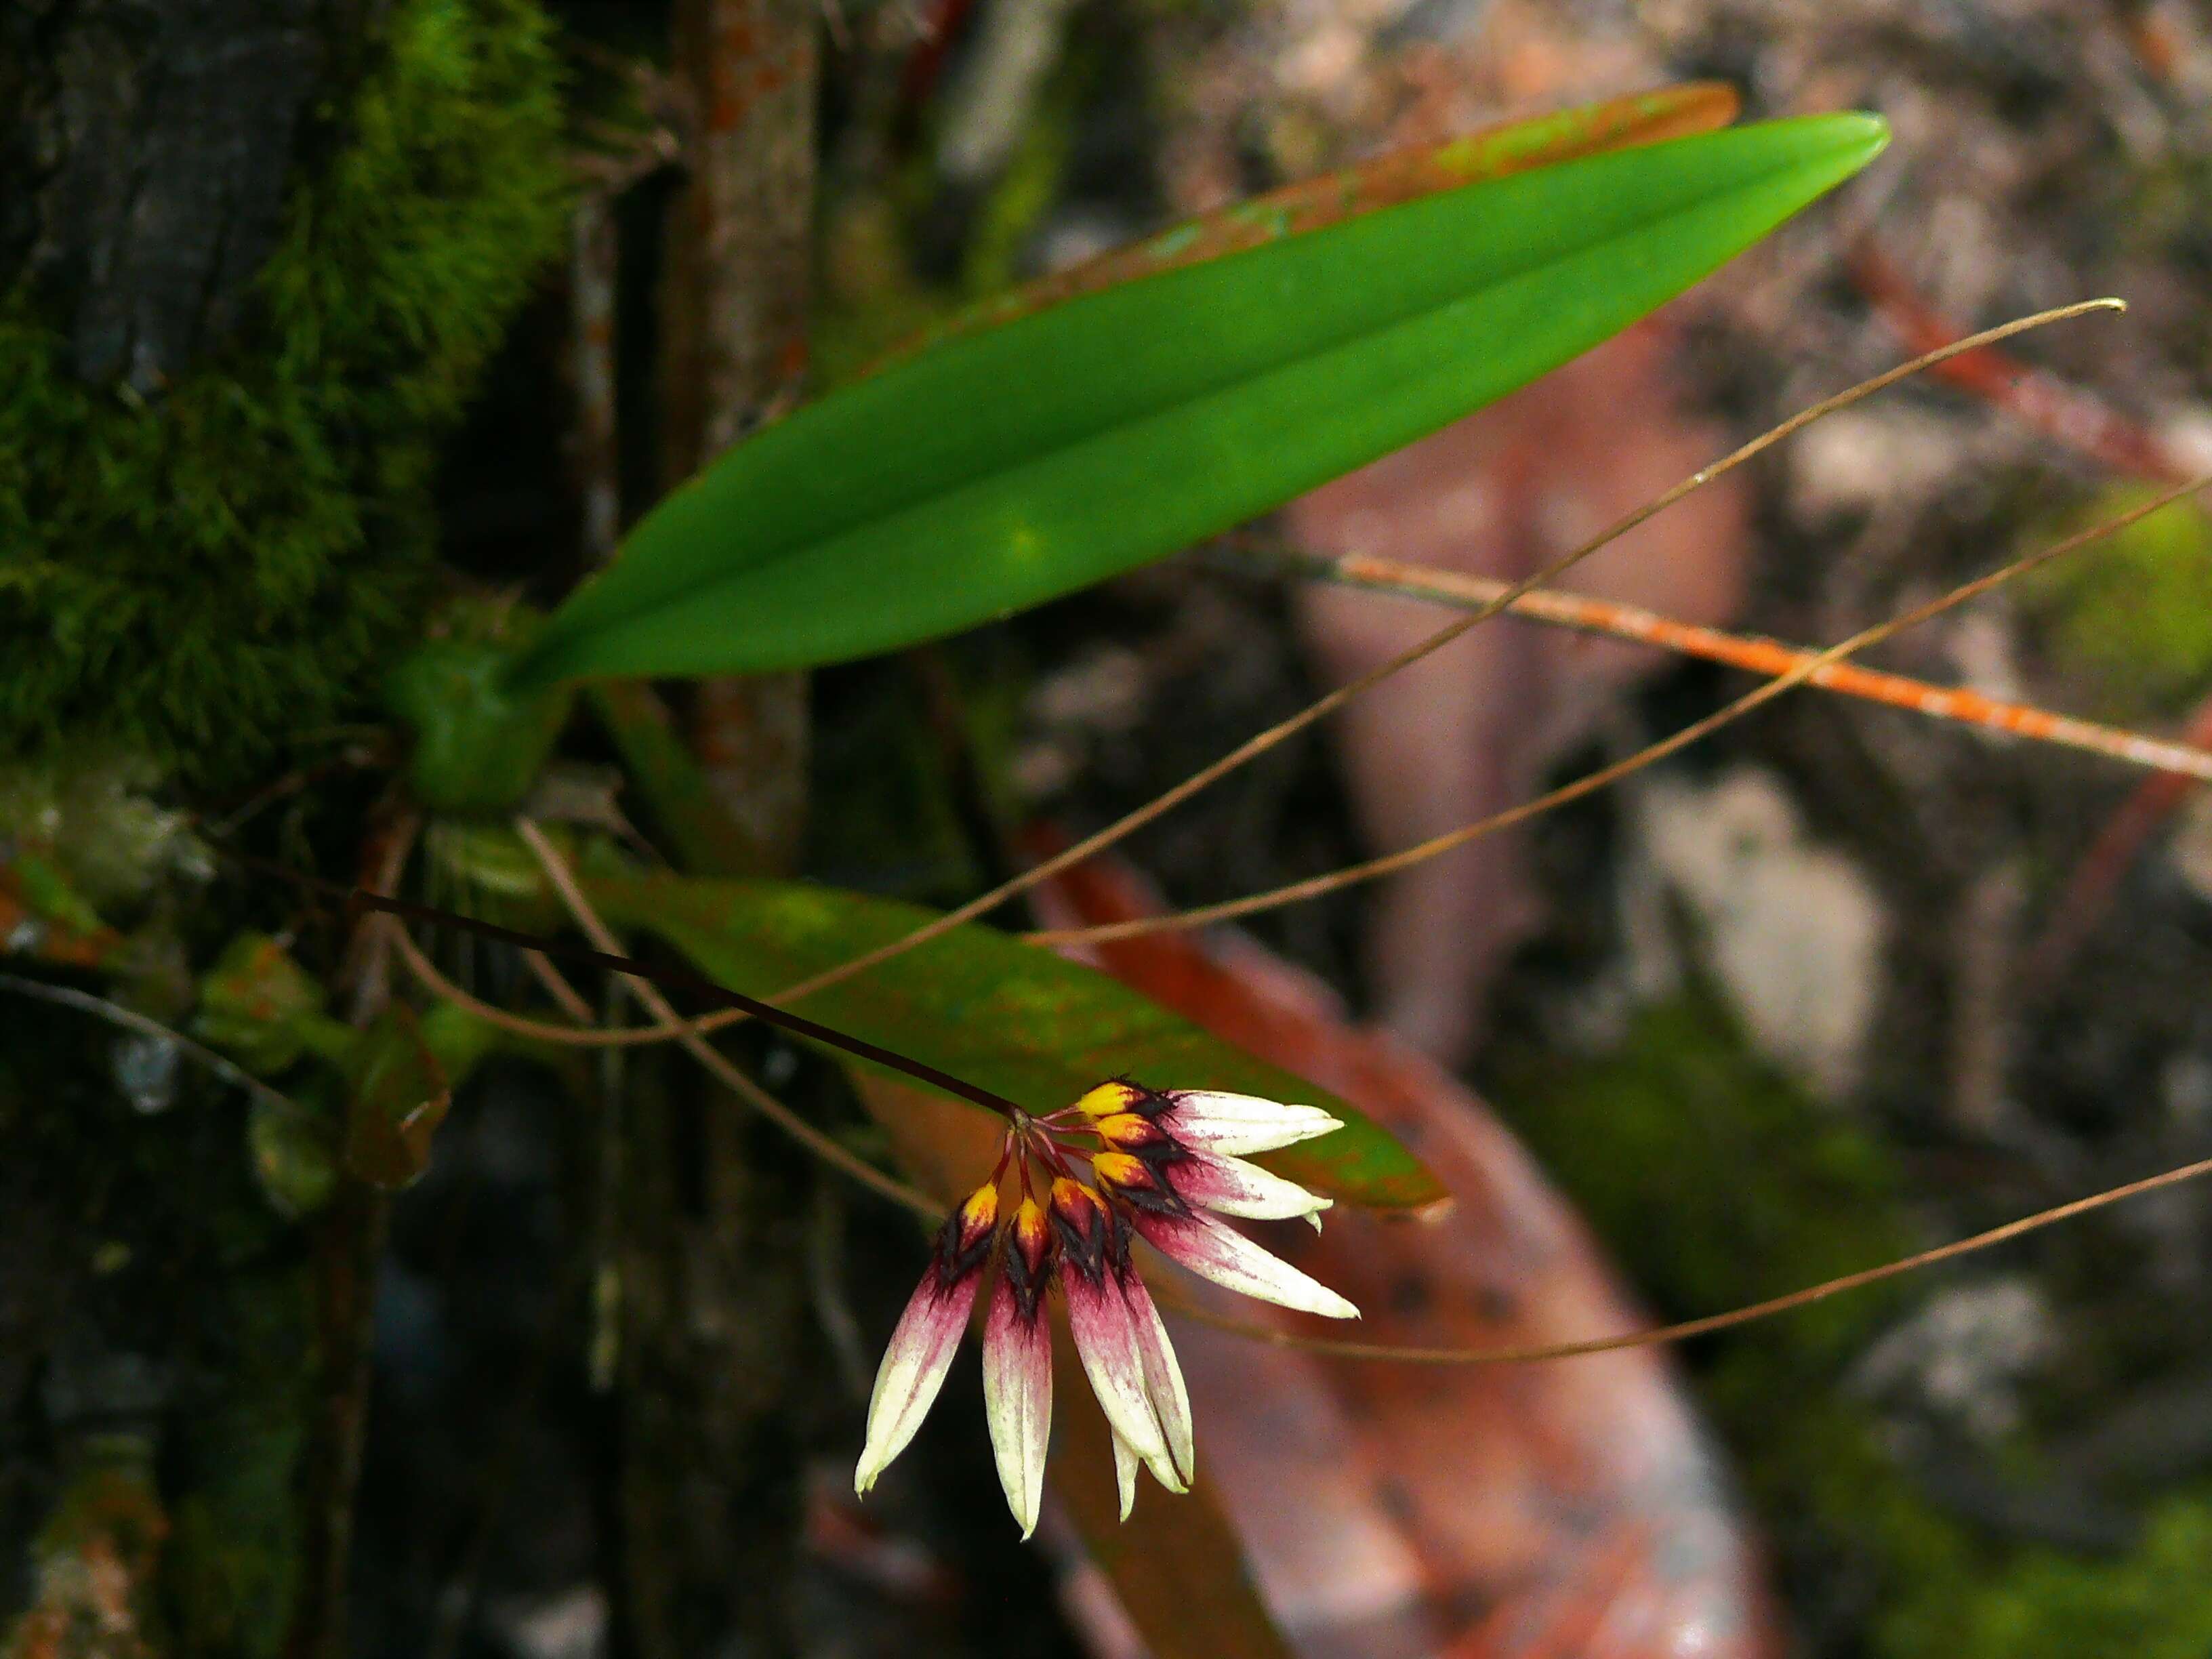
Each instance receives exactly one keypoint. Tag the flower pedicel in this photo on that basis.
(1162, 1165)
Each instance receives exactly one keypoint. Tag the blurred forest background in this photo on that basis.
(1836, 984)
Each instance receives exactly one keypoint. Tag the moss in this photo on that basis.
(204, 576)
(233, 1569)
(2132, 618)
(1658, 1143)
(182, 1302)
(1718, 1182)
(2154, 1603)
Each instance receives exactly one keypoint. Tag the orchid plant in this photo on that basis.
(1072, 433)
(1162, 1166)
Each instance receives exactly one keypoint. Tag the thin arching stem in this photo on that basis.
(736, 1003)
(1253, 747)
(1805, 666)
(585, 917)
(1321, 708)
(1589, 783)
(426, 973)
(131, 1020)
(1347, 1348)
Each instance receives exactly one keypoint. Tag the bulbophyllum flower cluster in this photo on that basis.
(1162, 1166)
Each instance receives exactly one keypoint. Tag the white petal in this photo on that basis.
(1125, 1474)
(1099, 1318)
(1018, 1400)
(1229, 1186)
(913, 1371)
(1215, 1123)
(1217, 1251)
(1163, 1378)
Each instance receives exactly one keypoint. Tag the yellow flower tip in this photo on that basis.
(979, 1211)
(1071, 1197)
(1109, 1100)
(1127, 1130)
(1119, 1170)
(1029, 1231)
(970, 1228)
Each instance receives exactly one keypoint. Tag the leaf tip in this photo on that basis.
(1861, 132)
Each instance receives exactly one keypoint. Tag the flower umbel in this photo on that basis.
(1162, 1165)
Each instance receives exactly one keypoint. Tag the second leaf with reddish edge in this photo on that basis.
(1399, 176)
(1033, 1027)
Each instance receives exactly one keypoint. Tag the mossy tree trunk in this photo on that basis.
(252, 255)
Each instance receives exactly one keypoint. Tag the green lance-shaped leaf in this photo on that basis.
(1020, 463)
(981, 1005)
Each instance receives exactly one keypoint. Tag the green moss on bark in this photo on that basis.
(233, 1567)
(2130, 620)
(2154, 1602)
(202, 576)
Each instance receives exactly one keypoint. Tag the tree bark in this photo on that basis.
(146, 151)
(740, 247)
(714, 1206)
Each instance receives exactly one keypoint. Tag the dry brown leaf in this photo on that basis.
(1470, 730)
